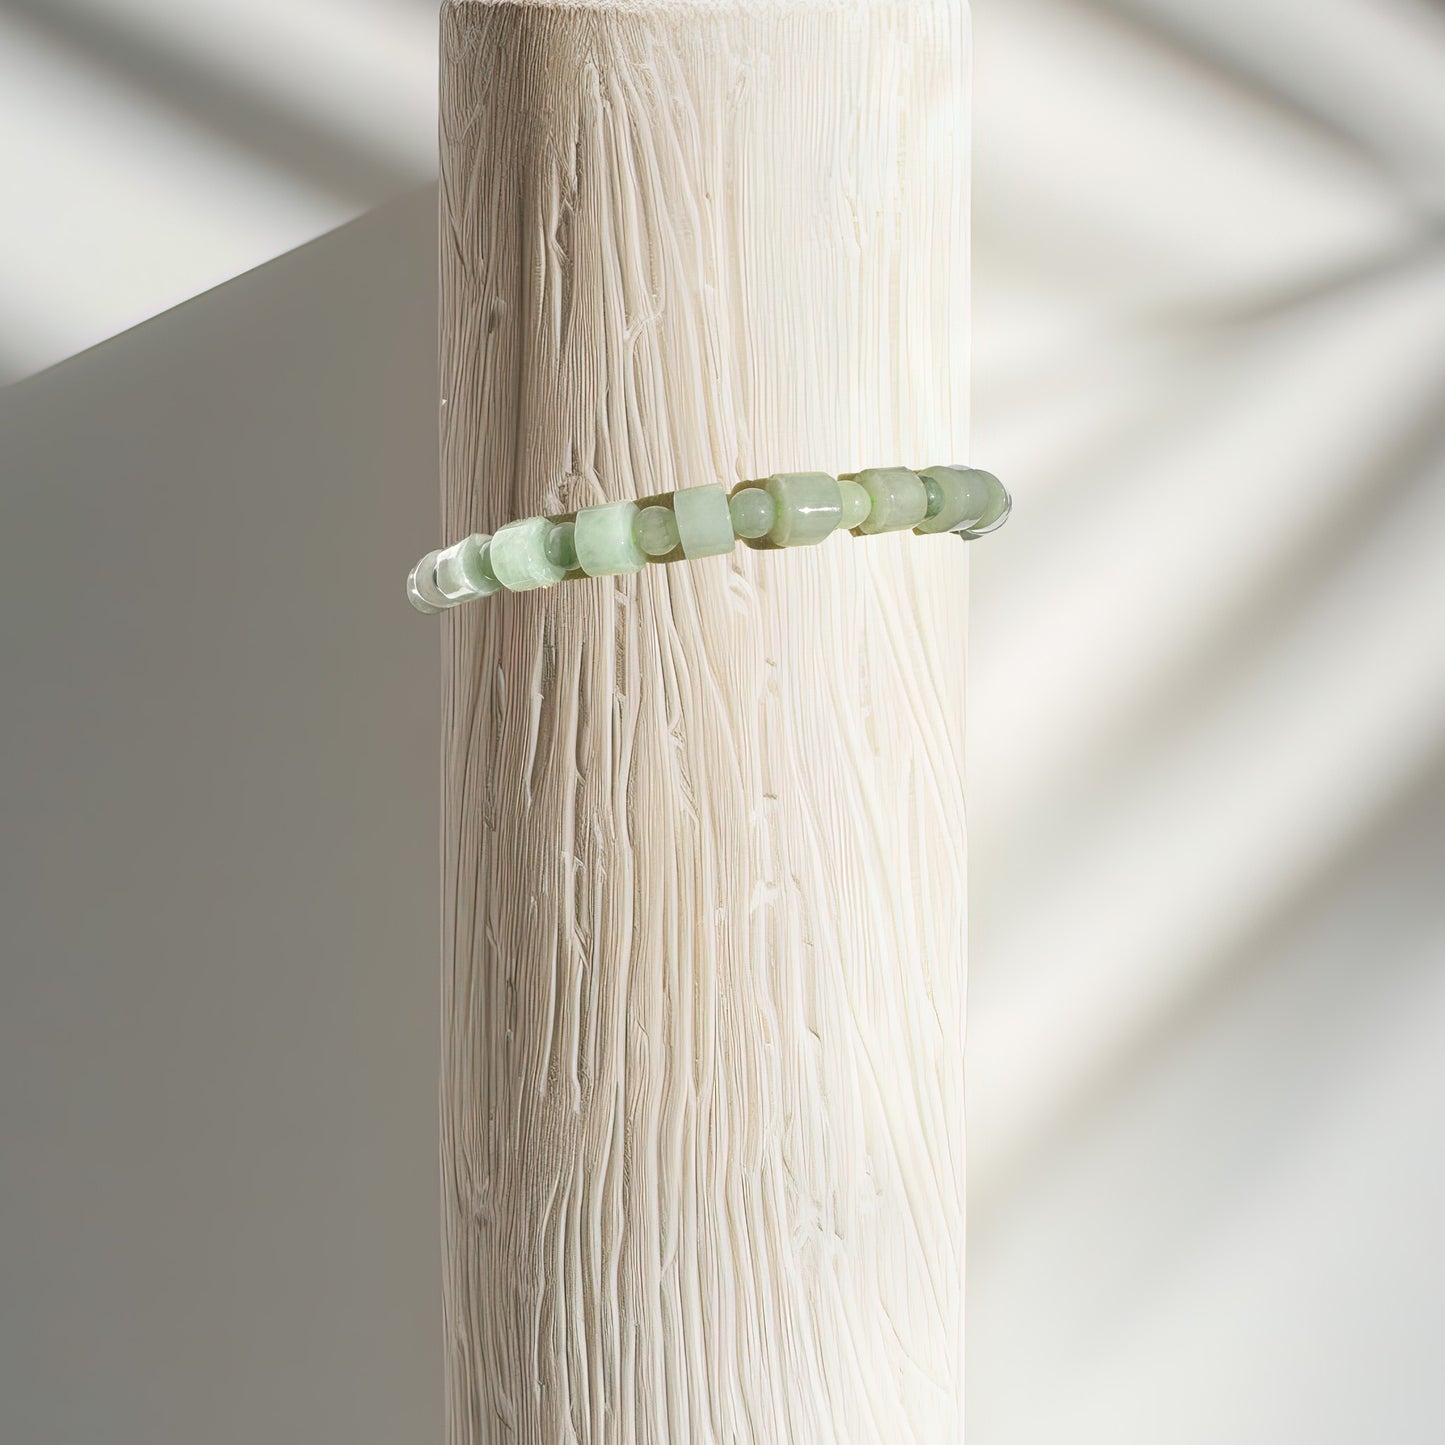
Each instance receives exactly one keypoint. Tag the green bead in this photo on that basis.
(704, 522)
(752, 512)
(421, 586)
(935, 496)
(464, 570)
(809, 508)
(965, 498)
(656, 531)
(899, 500)
(519, 556)
(490, 581)
(606, 545)
(856, 503)
(561, 546)
(995, 514)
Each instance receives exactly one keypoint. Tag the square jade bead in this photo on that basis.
(965, 499)
(464, 570)
(519, 558)
(809, 508)
(704, 524)
(606, 545)
(422, 589)
(900, 500)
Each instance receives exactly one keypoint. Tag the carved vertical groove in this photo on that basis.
(703, 844)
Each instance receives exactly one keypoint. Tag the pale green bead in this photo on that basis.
(450, 577)
(856, 504)
(752, 513)
(421, 586)
(704, 522)
(656, 531)
(490, 581)
(464, 571)
(965, 499)
(935, 495)
(606, 546)
(562, 545)
(995, 514)
(899, 499)
(809, 508)
(519, 556)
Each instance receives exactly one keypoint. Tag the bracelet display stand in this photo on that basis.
(703, 838)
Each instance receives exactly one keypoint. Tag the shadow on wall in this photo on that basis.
(239, 109)
(153, 150)
(1207, 1012)
(218, 1005)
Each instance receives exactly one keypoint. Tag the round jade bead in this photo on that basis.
(752, 512)
(655, 529)
(935, 495)
(809, 508)
(704, 521)
(562, 546)
(464, 570)
(519, 556)
(856, 503)
(899, 500)
(964, 499)
(605, 541)
(995, 514)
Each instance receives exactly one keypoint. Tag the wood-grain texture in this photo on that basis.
(702, 1102)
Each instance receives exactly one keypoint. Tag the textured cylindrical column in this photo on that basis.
(702, 1106)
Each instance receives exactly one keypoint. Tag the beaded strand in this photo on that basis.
(788, 509)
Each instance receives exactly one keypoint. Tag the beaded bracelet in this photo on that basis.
(788, 509)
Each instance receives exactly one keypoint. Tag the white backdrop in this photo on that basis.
(1207, 1097)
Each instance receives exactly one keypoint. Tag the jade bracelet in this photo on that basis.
(788, 509)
